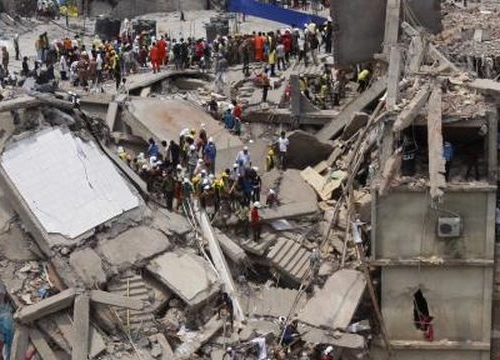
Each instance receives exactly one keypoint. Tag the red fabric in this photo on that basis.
(254, 216)
(162, 50)
(237, 111)
(199, 49)
(259, 48)
(287, 42)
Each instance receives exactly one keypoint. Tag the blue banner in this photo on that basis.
(274, 13)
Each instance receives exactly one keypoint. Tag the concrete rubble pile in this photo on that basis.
(95, 267)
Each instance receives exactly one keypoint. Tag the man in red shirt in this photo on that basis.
(255, 223)
(237, 111)
(162, 50)
(154, 57)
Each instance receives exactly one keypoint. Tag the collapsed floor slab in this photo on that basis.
(189, 276)
(66, 184)
(334, 305)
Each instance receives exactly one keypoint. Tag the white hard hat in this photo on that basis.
(179, 167)
(211, 176)
(192, 147)
(121, 149)
(256, 204)
(235, 165)
(210, 139)
(245, 147)
(328, 350)
(200, 161)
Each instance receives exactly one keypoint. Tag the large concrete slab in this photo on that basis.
(189, 276)
(133, 246)
(296, 197)
(334, 305)
(69, 185)
(88, 266)
(274, 302)
(165, 119)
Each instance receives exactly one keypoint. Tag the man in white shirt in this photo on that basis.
(283, 143)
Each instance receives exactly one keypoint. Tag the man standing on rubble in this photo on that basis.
(255, 222)
(16, 46)
(283, 144)
(225, 306)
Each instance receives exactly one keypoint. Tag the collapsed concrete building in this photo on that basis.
(404, 250)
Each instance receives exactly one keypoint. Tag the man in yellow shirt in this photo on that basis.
(363, 80)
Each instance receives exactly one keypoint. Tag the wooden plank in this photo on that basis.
(81, 324)
(41, 346)
(437, 180)
(46, 307)
(107, 298)
(411, 111)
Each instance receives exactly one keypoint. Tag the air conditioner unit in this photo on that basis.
(449, 227)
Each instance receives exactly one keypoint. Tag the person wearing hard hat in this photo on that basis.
(255, 221)
(327, 353)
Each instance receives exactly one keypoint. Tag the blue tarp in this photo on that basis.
(274, 13)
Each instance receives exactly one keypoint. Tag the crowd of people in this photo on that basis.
(99, 60)
(178, 172)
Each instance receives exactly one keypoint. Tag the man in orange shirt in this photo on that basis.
(154, 56)
(162, 50)
(259, 47)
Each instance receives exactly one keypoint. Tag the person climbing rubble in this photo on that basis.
(255, 221)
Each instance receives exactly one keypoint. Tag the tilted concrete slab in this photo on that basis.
(165, 119)
(296, 197)
(355, 106)
(133, 246)
(189, 276)
(334, 305)
(67, 185)
(274, 302)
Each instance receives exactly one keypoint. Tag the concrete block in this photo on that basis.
(188, 276)
(133, 246)
(305, 149)
(88, 265)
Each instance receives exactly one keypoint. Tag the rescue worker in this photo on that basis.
(255, 221)
(363, 80)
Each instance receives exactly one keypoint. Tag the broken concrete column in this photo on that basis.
(46, 307)
(81, 325)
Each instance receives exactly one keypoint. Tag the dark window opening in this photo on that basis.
(420, 310)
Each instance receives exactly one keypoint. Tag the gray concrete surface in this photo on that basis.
(189, 276)
(133, 246)
(88, 265)
(334, 305)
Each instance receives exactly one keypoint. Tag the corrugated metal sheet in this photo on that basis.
(69, 185)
